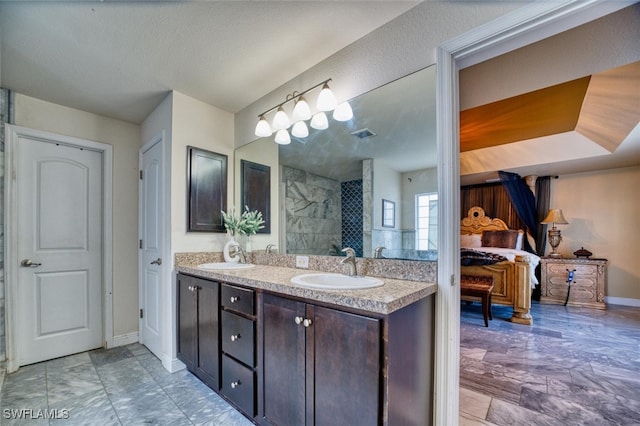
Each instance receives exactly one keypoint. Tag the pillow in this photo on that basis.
(471, 240)
(502, 239)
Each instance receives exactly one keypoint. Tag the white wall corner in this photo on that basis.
(172, 365)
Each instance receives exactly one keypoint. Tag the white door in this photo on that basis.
(59, 247)
(151, 247)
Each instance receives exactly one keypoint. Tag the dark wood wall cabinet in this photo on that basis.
(287, 361)
(206, 190)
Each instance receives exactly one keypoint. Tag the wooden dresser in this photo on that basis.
(587, 287)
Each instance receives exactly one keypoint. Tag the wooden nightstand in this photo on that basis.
(587, 288)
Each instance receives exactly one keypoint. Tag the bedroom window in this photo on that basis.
(427, 221)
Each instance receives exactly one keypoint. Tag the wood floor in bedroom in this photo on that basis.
(574, 366)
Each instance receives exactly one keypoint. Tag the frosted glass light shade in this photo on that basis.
(343, 112)
(282, 137)
(301, 111)
(319, 121)
(300, 130)
(263, 129)
(280, 120)
(326, 100)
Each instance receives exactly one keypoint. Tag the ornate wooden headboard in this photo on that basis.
(476, 222)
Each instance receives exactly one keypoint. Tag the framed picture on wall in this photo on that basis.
(206, 190)
(255, 191)
(388, 214)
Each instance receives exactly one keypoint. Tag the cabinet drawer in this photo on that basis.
(238, 337)
(238, 299)
(238, 384)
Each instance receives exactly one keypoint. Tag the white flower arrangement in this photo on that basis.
(248, 223)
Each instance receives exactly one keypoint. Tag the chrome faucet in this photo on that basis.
(238, 250)
(350, 260)
(269, 248)
(377, 254)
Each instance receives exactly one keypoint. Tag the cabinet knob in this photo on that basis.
(190, 288)
(298, 320)
(235, 337)
(306, 322)
(234, 299)
(235, 384)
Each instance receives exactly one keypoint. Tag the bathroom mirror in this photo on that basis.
(330, 185)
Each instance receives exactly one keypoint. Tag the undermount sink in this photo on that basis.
(330, 281)
(218, 266)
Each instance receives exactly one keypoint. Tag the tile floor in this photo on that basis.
(574, 366)
(120, 386)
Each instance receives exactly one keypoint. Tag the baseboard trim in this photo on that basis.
(625, 301)
(172, 364)
(122, 340)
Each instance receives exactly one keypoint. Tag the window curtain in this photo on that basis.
(523, 201)
(493, 199)
(543, 201)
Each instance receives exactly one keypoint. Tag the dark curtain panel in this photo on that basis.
(523, 201)
(543, 200)
(494, 200)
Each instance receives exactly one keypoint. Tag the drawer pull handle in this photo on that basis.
(235, 384)
(234, 299)
(298, 320)
(235, 337)
(306, 322)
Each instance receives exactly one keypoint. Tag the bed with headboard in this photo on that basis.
(512, 269)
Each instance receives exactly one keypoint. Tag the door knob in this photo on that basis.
(27, 263)
(158, 261)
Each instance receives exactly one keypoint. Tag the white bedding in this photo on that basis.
(511, 254)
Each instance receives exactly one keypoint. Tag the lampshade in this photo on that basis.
(282, 137)
(263, 129)
(280, 120)
(300, 130)
(319, 121)
(301, 111)
(326, 99)
(343, 112)
(555, 216)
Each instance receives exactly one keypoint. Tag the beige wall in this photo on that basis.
(203, 126)
(417, 182)
(602, 210)
(124, 137)
(387, 185)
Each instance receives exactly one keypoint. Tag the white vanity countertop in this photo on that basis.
(390, 297)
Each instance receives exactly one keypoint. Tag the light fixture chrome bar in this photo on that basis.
(294, 95)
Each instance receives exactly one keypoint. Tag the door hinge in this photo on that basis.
(141, 313)
(140, 243)
(140, 174)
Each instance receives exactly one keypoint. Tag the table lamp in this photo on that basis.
(555, 217)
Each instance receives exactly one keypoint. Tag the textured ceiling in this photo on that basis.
(120, 59)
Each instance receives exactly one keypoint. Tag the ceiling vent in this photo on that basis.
(363, 133)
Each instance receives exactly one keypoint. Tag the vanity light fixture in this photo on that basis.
(280, 120)
(319, 121)
(343, 112)
(302, 112)
(263, 129)
(300, 130)
(282, 137)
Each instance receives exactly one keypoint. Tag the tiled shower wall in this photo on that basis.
(4, 118)
(313, 213)
(352, 218)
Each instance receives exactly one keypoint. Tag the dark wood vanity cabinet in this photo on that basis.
(321, 366)
(198, 328)
(238, 332)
